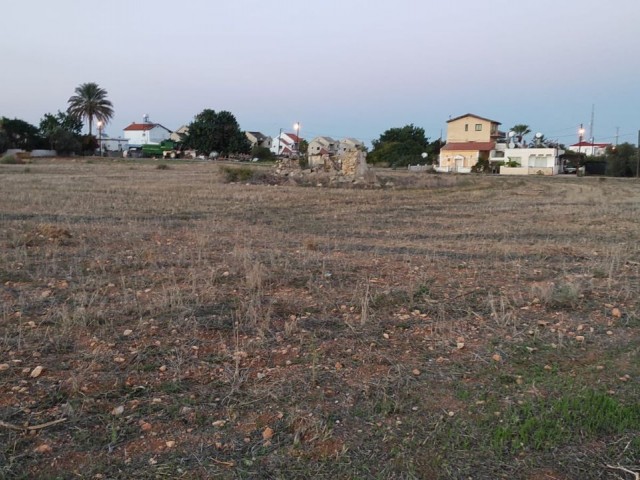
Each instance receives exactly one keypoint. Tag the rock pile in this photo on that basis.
(350, 167)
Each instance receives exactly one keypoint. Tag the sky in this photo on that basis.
(339, 67)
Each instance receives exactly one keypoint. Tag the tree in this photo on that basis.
(62, 131)
(62, 120)
(622, 160)
(20, 134)
(262, 153)
(219, 132)
(4, 141)
(90, 101)
(403, 146)
(520, 131)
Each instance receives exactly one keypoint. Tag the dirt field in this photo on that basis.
(161, 323)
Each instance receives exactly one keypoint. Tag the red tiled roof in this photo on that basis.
(140, 127)
(293, 137)
(479, 146)
(474, 116)
(589, 144)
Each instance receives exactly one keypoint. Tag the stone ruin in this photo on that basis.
(347, 167)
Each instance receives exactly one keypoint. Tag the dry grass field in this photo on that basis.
(161, 323)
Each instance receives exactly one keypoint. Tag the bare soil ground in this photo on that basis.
(160, 323)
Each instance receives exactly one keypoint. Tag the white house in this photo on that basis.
(532, 161)
(146, 133)
(259, 139)
(285, 144)
(589, 148)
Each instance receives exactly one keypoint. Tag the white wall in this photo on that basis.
(136, 137)
(157, 134)
(115, 144)
(535, 158)
(590, 150)
(143, 137)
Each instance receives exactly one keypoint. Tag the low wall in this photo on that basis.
(43, 153)
(419, 168)
(526, 170)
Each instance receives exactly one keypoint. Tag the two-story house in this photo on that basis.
(470, 138)
(145, 133)
(285, 144)
(258, 139)
(350, 145)
(323, 146)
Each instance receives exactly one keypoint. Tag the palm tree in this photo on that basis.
(90, 101)
(520, 130)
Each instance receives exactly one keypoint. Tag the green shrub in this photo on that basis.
(10, 159)
(482, 166)
(262, 154)
(237, 174)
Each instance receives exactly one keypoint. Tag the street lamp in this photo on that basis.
(296, 127)
(100, 135)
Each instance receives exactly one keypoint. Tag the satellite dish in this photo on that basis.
(424, 155)
(538, 135)
(511, 144)
(512, 134)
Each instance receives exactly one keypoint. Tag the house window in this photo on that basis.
(466, 127)
(478, 127)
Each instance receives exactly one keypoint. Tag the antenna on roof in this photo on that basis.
(145, 118)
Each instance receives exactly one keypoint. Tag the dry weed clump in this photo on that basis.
(559, 294)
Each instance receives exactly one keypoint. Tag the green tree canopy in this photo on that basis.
(403, 146)
(62, 131)
(51, 122)
(219, 132)
(4, 141)
(90, 102)
(622, 160)
(20, 134)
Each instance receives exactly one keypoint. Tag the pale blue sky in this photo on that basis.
(340, 67)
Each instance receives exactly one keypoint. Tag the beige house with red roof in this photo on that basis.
(470, 138)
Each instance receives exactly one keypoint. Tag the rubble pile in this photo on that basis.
(350, 167)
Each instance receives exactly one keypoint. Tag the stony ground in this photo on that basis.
(161, 323)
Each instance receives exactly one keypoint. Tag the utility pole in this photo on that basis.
(593, 140)
(279, 136)
(580, 136)
(638, 153)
